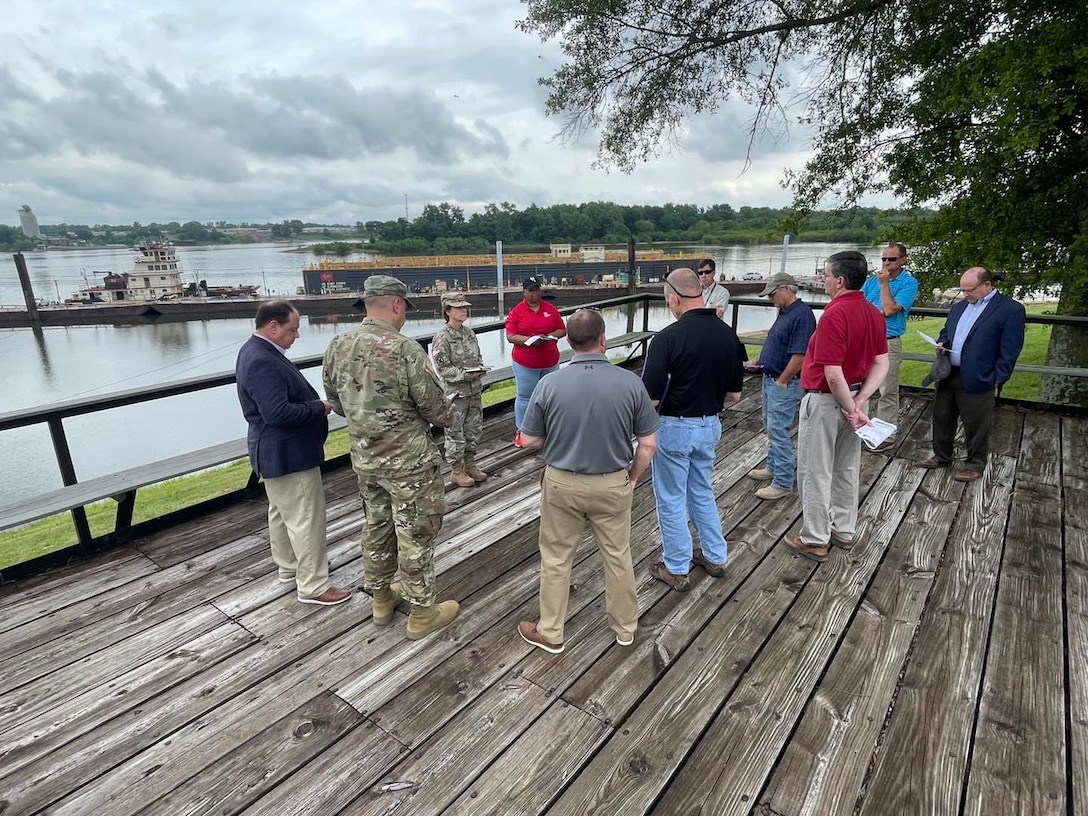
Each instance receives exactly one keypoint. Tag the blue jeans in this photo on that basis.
(779, 410)
(526, 379)
(682, 491)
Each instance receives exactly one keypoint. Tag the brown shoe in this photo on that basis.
(529, 633)
(932, 463)
(677, 582)
(813, 552)
(841, 541)
(968, 476)
(330, 597)
(709, 567)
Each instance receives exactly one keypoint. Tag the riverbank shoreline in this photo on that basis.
(128, 314)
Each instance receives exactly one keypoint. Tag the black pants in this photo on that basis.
(951, 404)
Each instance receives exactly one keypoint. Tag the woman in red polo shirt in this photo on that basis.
(533, 326)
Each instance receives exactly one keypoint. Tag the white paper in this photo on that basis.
(927, 338)
(532, 341)
(478, 369)
(876, 434)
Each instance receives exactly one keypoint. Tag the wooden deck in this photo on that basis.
(939, 667)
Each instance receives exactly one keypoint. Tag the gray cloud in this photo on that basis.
(329, 111)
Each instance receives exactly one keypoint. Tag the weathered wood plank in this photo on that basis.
(728, 767)
(33, 738)
(433, 776)
(206, 570)
(824, 765)
(300, 651)
(336, 777)
(23, 601)
(31, 701)
(171, 608)
(1018, 762)
(922, 762)
(1075, 533)
(540, 762)
(238, 779)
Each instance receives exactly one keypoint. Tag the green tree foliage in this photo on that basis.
(977, 107)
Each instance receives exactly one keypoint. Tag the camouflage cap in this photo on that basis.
(454, 299)
(381, 285)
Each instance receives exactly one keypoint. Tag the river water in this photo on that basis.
(61, 363)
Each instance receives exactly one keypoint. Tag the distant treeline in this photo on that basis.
(443, 228)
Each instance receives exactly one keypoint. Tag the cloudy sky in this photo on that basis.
(116, 111)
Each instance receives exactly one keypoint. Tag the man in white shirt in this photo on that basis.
(715, 296)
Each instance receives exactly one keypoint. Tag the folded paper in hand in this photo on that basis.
(875, 434)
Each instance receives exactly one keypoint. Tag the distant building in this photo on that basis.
(29, 222)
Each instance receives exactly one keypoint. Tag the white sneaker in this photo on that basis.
(630, 639)
(760, 475)
(773, 492)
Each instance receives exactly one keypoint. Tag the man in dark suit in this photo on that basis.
(287, 430)
(983, 337)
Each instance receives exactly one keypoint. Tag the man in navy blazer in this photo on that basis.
(983, 336)
(287, 430)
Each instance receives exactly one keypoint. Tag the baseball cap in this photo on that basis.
(531, 282)
(381, 285)
(778, 279)
(454, 299)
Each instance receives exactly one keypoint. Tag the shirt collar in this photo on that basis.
(280, 349)
(588, 357)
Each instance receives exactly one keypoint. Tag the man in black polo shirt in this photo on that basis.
(693, 367)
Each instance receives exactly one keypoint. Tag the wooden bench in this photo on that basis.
(122, 485)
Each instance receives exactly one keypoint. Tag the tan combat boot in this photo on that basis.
(426, 619)
(471, 470)
(460, 478)
(385, 600)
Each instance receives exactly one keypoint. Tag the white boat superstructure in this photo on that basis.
(155, 276)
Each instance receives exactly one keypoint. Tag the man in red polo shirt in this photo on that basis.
(846, 362)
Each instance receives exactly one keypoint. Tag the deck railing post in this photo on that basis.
(68, 476)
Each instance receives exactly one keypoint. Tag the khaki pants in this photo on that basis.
(828, 470)
(567, 501)
(887, 396)
(296, 529)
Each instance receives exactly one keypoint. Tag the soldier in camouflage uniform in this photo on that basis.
(456, 351)
(382, 382)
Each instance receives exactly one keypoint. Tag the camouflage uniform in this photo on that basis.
(454, 351)
(381, 381)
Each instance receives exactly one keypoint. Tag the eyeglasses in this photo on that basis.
(892, 260)
(706, 271)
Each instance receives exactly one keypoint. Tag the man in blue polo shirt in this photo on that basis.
(780, 361)
(892, 290)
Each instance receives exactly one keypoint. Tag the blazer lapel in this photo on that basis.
(294, 368)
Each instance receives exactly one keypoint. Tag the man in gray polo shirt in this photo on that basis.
(584, 417)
